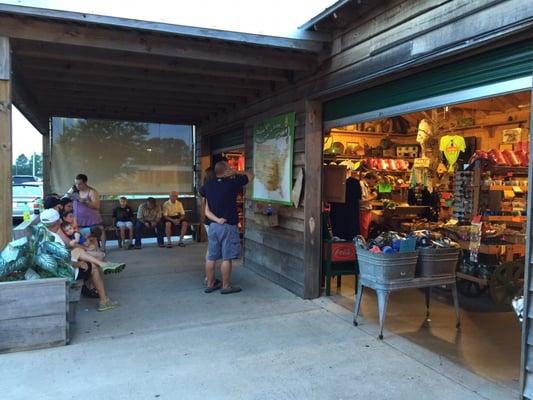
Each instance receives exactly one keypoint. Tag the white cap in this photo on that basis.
(49, 217)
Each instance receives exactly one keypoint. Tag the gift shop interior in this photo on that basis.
(450, 186)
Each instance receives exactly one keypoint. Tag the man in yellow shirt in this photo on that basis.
(174, 215)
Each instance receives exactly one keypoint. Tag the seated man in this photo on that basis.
(174, 215)
(87, 265)
(149, 217)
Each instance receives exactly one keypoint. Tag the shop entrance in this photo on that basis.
(452, 176)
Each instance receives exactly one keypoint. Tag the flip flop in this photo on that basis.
(217, 286)
(231, 289)
(169, 246)
(181, 244)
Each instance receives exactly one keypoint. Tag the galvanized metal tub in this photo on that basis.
(437, 262)
(386, 268)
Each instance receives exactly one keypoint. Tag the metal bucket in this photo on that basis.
(385, 268)
(437, 262)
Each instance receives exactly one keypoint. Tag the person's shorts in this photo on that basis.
(224, 242)
(183, 219)
(125, 224)
(84, 274)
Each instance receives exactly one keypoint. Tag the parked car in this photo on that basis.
(18, 179)
(28, 193)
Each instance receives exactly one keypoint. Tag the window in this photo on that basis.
(122, 157)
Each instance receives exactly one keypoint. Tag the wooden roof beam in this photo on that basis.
(45, 88)
(51, 51)
(184, 83)
(138, 102)
(304, 41)
(37, 63)
(29, 106)
(110, 85)
(145, 43)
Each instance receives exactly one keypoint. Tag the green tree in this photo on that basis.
(22, 165)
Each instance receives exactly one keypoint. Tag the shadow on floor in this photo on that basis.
(487, 344)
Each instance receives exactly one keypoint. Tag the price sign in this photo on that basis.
(421, 162)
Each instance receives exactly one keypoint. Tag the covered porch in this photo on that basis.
(170, 340)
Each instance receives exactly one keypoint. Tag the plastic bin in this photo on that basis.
(437, 262)
(385, 268)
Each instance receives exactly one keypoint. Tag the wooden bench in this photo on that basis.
(189, 204)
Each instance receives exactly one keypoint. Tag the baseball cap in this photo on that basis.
(49, 216)
(51, 202)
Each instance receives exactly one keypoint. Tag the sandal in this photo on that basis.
(231, 289)
(181, 244)
(108, 305)
(90, 293)
(169, 245)
(216, 286)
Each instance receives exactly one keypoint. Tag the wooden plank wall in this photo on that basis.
(393, 40)
(277, 253)
(33, 314)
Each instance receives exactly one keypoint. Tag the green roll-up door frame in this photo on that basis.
(510, 62)
(227, 140)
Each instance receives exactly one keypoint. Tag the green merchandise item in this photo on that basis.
(57, 250)
(47, 263)
(384, 187)
(31, 275)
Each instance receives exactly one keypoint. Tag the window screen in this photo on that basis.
(122, 157)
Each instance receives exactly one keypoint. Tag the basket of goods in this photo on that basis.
(437, 255)
(388, 258)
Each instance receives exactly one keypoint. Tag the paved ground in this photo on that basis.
(169, 340)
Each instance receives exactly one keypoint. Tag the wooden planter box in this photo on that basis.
(33, 314)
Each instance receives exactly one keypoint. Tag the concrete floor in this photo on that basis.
(487, 344)
(169, 340)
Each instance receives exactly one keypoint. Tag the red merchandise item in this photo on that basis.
(497, 158)
(511, 158)
(383, 164)
(523, 157)
(393, 165)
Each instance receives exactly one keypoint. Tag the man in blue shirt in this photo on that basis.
(221, 208)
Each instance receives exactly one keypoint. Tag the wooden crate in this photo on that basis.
(33, 314)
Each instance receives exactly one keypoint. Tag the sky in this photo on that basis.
(270, 17)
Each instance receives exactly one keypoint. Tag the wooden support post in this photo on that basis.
(47, 162)
(6, 200)
(313, 199)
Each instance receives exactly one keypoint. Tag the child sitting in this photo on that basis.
(123, 219)
(76, 238)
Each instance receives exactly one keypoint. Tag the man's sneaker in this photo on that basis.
(113, 268)
(108, 305)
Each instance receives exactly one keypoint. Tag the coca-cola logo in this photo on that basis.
(344, 252)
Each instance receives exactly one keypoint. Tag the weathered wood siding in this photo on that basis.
(395, 39)
(33, 314)
(278, 253)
